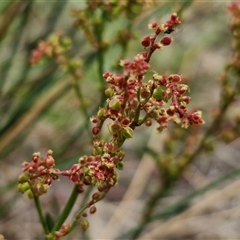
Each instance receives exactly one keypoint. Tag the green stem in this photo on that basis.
(40, 214)
(81, 100)
(67, 209)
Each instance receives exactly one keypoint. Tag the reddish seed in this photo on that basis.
(92, 210)
(152, 25)
(95, 130)
(146, 41)
(48, 181)
(166, 41)
(84, 215)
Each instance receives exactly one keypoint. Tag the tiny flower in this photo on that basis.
(145, 93)
(133, 103)
(174, 78)
(152, 25)
(94, 120)
(171, 110)
(106, 75)
(157, 77)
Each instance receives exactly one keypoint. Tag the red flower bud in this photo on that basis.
(166, 41)
(152, 25)
(95, 130)
(92, 210)
(146, 41)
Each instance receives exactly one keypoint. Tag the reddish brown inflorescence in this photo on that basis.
(132, 101)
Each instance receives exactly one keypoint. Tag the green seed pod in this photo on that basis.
(84, 224)
(109, 92)
(127, 132)
(158, 93)
(101, 113)
(120, 165)
(23, 187)
(115, 104)
(114, 128)
(24, 177)
(30, 194)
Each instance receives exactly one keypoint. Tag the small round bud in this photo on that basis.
(109, 92)
(146, 41)
(148, 123)
(24, 177)
(50, 161)
(106, 75)
(166, 41)
(95, 130)
(101, 113)
(80, 189)
(23, 187)
(152, 25)
(92, 210)
(125, 121)
(171, 110)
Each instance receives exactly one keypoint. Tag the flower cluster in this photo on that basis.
(57, 46)
(132, 101)
(93, 18)
(166, 28)
(37, 175)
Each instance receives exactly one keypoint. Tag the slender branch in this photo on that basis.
(40, 214)
(67, 209)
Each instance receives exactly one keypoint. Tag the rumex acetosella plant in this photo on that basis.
(132, 101)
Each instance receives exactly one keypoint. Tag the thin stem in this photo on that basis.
(40, 214)
(77, 217)
(67, 209)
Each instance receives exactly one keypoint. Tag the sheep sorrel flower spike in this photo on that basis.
(132, 101)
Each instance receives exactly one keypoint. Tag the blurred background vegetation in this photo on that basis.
(40, 110)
